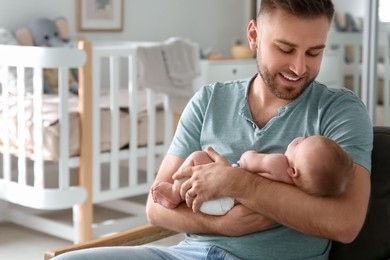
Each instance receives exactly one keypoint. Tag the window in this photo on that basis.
(383, 12)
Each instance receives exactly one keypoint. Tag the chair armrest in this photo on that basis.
(133, 237)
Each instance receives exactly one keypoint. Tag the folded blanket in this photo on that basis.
(181, 60)
(169, 67)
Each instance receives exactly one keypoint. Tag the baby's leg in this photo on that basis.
(165, 194)
(196, 158)
(168, 194)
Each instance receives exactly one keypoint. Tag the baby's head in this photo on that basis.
(319, 165)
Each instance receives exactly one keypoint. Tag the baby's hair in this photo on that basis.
(337, 172)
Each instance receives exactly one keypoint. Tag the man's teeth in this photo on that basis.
(290, 78)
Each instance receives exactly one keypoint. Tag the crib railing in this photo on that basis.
(119, 57)
(19, 189)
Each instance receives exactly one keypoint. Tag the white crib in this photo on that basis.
(33, 183)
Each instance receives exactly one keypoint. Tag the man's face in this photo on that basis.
(289, 51)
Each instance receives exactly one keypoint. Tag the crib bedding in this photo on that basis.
(51, 123)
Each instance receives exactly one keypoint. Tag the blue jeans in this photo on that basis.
(179, 252)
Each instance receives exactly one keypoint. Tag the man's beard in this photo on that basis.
(282, 92)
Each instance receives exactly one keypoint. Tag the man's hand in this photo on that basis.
(238, 221)
(206, 182)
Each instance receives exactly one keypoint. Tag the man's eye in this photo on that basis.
(313, 53)
(285, 50)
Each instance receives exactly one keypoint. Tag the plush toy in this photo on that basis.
(49, 33)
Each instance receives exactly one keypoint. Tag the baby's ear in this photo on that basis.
(293, 172)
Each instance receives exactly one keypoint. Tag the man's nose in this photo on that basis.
(298, 65)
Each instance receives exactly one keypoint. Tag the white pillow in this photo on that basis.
(7, 38)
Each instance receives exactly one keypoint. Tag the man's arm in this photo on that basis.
(238, 221)
(339, 218)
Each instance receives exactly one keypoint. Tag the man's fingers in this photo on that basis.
(184, 189)
(213, 154)
(189, 198)
(183, 172)
(196, 205)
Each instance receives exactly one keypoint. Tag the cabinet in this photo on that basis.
(224, 70)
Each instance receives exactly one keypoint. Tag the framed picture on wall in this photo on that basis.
(99, 15)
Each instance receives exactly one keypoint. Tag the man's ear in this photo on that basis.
(292, 172)
(63, 29)
(252, 35)
(24, 37)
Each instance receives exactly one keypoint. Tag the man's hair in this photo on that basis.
(299, 8)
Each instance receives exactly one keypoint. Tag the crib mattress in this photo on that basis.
(51, 125)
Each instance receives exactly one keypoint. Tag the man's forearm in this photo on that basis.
(180, 219)
(237, 222)
(339, 218)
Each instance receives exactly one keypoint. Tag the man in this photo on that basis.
(273, 220)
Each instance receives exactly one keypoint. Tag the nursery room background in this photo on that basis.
(215, 25)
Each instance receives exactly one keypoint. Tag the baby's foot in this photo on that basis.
(162, 193)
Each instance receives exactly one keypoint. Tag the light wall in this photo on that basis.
(355, 7)
(214, 24)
